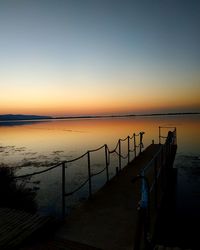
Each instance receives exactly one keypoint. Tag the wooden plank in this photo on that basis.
(9, 221)
(20, 235)
(17, 230)
(16, 226)
(26, 233)
(19, 223)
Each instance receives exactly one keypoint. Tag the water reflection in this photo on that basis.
(34, 146)
(19, 123)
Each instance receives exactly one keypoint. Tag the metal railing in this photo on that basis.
(165, 137)
(153, 179)
(136, 150)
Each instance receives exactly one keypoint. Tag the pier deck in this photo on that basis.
(109, 219)
(16, 226)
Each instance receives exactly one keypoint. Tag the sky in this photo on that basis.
(87, 57)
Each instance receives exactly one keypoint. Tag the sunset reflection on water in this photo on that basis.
(51, 141)
(41, 144)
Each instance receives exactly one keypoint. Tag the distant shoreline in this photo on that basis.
(127, 115)
(11, 117)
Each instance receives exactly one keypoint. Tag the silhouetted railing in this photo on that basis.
(136, 149)
(165, 137)
(153, 183)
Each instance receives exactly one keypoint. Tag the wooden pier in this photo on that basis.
(121, 215)
(16, 226)
(110, 219)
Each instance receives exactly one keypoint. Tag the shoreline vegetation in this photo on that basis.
(15, 195)
(21, 117)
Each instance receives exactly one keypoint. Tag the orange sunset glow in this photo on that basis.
(71, 59)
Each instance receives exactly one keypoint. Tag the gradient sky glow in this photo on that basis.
(80, 57)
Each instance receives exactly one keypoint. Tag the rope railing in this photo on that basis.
(120, 155)
(108, 152)
(114, 150)
(36, 173)
(101, 171)
(124, 139)
(138, 134)
(97, 149)
(77, 189)
(76, 159)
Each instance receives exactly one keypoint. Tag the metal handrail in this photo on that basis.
(163, 137)
(151, 161)
(167, 143)
(146, 187)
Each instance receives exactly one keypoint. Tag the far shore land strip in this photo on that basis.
(20, 117)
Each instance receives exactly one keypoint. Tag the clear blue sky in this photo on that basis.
(87, 57)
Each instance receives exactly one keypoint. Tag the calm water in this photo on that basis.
(32, 146)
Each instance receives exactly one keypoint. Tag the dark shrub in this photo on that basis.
(15, 195)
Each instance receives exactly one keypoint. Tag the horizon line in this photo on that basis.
(39, 117)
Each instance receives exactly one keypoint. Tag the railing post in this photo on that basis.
(89, 175)
(159, 135)
(162, 167)
(134, 139)
(156, 182)
(128, 149)
(63, 190)
(162, 156)
(165, 155)
(175, 136)
(106, 156)
(117, 171)
(120, 163)
(141, 143)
